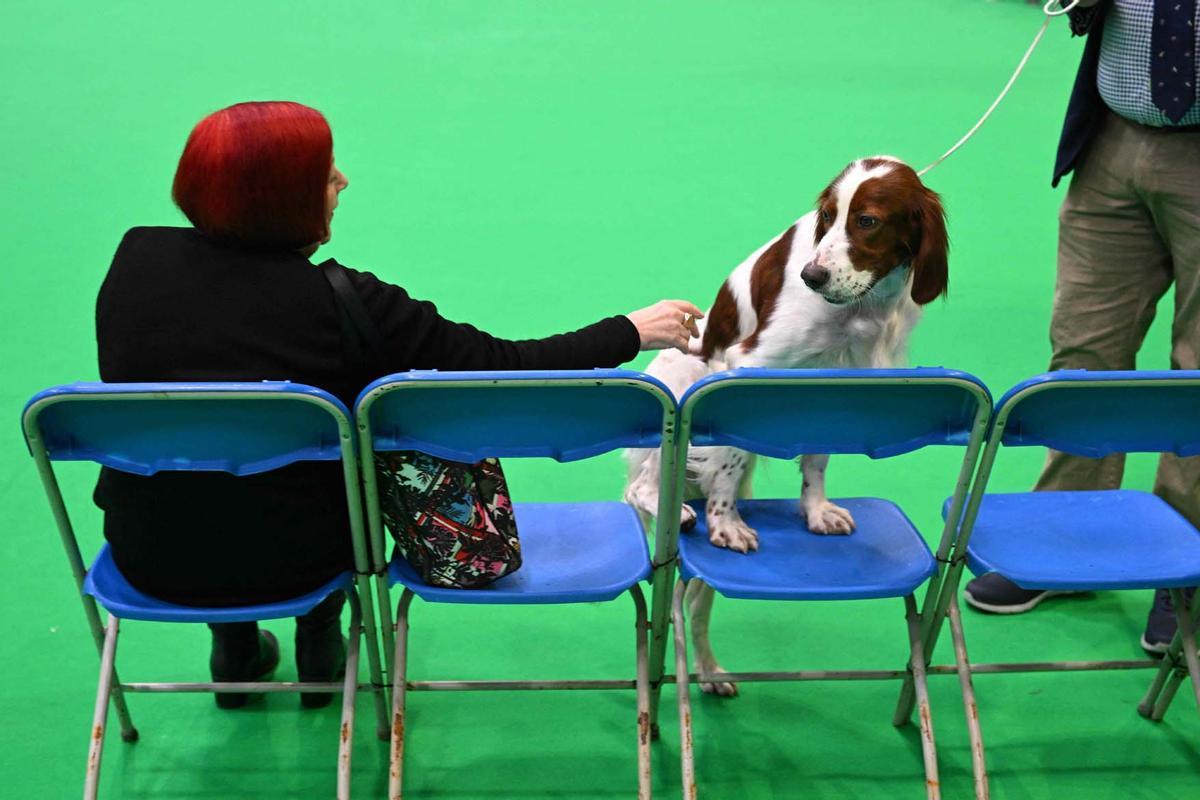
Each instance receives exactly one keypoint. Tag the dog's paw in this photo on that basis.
(731, 532)
(721, 688)
(687, 518)
(828, 518)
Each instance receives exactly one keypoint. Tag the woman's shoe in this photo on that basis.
(320, 658)
(229, 664)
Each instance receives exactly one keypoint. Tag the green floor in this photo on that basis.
(531, 166)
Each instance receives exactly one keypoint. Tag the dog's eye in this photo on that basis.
(867, 221)
(826, 217)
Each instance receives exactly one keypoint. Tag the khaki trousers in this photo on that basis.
(1128, 228)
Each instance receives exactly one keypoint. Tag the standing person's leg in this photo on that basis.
(1112, 269)
(1173, 196)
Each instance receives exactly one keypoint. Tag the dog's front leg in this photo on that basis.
(721, 473)
(699, 599)
(822, 515)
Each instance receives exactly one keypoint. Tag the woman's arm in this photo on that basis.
(416, 336)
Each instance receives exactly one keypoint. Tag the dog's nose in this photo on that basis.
(814, 276)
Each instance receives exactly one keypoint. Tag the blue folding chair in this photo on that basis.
(571, 552)
(1087, 540)
(240, 428)
(786, 413)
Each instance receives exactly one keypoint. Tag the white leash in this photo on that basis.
(1050, 12)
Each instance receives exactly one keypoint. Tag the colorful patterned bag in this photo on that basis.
(453, 522)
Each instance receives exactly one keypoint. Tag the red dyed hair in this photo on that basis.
(254, 174)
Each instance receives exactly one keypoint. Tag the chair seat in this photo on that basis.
(110, 588)
(884, 557)
(570, 553)
(1118, 539)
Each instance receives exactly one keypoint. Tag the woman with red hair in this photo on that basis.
(236, 298)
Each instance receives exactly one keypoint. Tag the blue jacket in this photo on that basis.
(1085, 109)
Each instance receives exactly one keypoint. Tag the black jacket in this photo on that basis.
(1085, 109)
(176, 306)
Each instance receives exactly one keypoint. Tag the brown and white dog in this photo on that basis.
(842, 287)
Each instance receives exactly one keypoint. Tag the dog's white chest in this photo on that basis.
(835, 337)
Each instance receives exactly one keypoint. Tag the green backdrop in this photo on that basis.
(532, 166)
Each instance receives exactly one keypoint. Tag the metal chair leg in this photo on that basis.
(905, 703)
(399, 686)
(1168, 694)
(92, 611)
(907, 700)
(660, 620)
(104, 687)
(643, 696)
(387, 627)
(362, 587)
(686, 754)
(939, 596)
(1187, 630)
(928, 746)
(349, 694)
(1185, 637)
(1168, 665)
(970, 707)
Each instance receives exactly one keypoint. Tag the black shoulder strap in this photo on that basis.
(358, 330)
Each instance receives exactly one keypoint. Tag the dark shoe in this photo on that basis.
(320, 660)
(996, 594)
(234, 659)
(321, 649)
(1161, 623)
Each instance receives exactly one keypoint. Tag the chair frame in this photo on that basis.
(362, 622)
(1180, 661)
(647, 682)
(919, 623)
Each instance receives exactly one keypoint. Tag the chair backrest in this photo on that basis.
(466, 416)
(881, 413)
(1096, 413)
(144, 428)
(1090, 414)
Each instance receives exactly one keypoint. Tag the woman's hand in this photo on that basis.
(667, 323)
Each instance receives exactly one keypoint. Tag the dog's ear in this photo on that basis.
(821, 228)
(929, 264)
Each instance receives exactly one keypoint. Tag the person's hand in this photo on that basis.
(667, 323)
